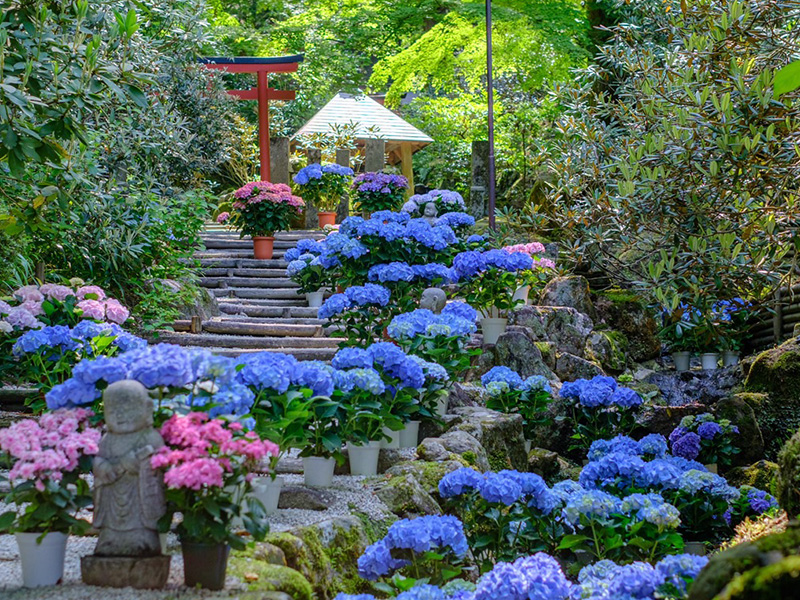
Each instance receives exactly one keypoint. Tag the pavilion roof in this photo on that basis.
(373, 121)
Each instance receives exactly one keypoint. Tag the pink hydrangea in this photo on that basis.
(29, 292)
(116, 312)
(33, 307)
(93, 290)
(19, 318)
(543, 263)
(45, 450)
(530, 248)
(223, 216)
(92, 309)
(54, 291)
(5, 308)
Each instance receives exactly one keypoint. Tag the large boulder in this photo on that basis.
(570, 367)
(518, 351)
(608, 349)
(702, 387)
(663, 419)
(789, 476)
(764, 569)
(406, 497)
(499, 435)
(627, 314)
(199, 303)
(776, 372)
(762, 474)
(572, 291)
(566, 327)
(427, 473)
(750, 441)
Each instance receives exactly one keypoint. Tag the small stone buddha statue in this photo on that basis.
(128, 495)
(434, 299)
(430, 213)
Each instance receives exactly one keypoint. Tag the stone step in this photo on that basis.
(215, 340)
(294, 235)
(323, 354)
(251, 309)
(239, 254)
(234, 272)
(251, 328)
(249, 282)
(226, 243)
(220, 261)
(278, 319)
(289, 295)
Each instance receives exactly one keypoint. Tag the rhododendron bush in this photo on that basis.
(207, 465)
(46, 460)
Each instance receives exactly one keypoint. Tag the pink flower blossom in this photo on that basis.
(543, 263)
(29, 292)
(92, 309)
(19, 318)
(223, 216)
(5, 308)
(33, 307)
(93, 290)
(54, 291)
(116, 312)
(530, 248)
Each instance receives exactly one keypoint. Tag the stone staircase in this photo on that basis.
(261, 308)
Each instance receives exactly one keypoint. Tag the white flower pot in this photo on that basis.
(441, 405)
(268, 492)
(43, 563)
(681, 360)
(409, 437)
(712, 468)
(696, 548)
(315, 298)
(709, 361)
(364, 459)
(318, 471)
(394, 442)
(492, 329)
(522, 294)
(730, 358)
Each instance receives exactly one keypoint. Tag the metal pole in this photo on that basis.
(490, 88)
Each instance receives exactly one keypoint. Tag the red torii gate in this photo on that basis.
(263, 93)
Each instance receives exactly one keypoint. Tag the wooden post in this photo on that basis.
(374, 155)
(343, 210)
(196, 325)
(777, 319)
(279, 160)
(407, 166)
(263, 125)
(479, 192)
(312, 219)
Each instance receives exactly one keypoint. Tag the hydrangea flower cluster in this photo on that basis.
(445, 201)
(505, 488)
(704, 438)
(46, 449)
(61, 305)
(600, 391)
(467, 265)
(202, 452)
(359, 296)
(536, 577)
(57, 340)
(367, 365)
(650, 446)
(499, 380)
(379, 191)
(317, 171)
(408, 538)
(423, 322)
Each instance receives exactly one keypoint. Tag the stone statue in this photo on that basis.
(430, 213)
(434, 299)
(128, 495)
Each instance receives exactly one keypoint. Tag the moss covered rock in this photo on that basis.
(789, 476)
(776, 372)
(777, 581)
(571, 291)
(626, 313)
(263, 576)
(499, 435)
(608, 348)
(749, 560)
(750, 441)
(428, 474)
(762, 474)
(406, 497)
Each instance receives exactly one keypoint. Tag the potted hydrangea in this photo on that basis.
(202, 461)
(259, 209)
(324, 186)
(537, 276)
(46, 460)
(379, 191)
(306, 268)
(441, 201)
(488, 281)
(705, 439)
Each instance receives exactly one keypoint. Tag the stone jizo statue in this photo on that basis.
(434, 299)
(128, 495)
(430, 213)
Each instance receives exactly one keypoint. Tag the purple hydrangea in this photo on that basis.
(709, 430)
(687, 446)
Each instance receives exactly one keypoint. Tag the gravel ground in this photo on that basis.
(348, 495)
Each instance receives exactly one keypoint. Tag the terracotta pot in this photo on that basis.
(205, 564)
(326, 218)
(262, 247)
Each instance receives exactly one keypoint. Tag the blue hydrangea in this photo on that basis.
(377, 561)
(502, 374)
(70, 394)
(391, 272)
(456, 220)
(314, 375)
(507, 261)
(625, 397)
(571, 390)
(653, 445)
(349, 227)
(459, 482)
(423, 592)
(617, 469)
(537, 383)
(621, 443)
(597, 392)
(537, 577)
(638, 581)
(652, 508)
(266, 371)
(468, 264)
(534, 490)
(337, 169)
(389, 216)
(759, 500)
(349, 358)
(661, 474)
(461, 310)
(564, 489)
(687, 446)
(344, 596)
(677, 434)
(334, 305)
(232, 399)
(164, 365)
(306, 174)
(500, 488)
(475, 239)
(427, 534)
(676, 570)
(365, 379)
(504, 582)
(709, 430)
(694, 482)
(295, 266)
(433, 371)
(363, 295)
(592, 504)
(433, 271)
(353, 249)
(102, 368)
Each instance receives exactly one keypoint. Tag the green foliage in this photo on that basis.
(789, 476)
(674, 165)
